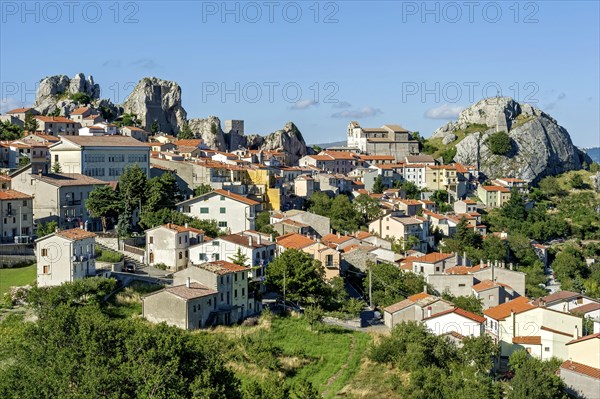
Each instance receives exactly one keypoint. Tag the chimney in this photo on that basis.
(259, 240)
(493, 279)
(425, 288)
(576, 333)
(188, 282)
(428, 311)
(186, 225)
(271, 238)
(465, 258)
(250, 240)
(339, 235)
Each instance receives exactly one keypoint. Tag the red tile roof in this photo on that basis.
(590, 307)
(398, 306)
(182, 229)
(419, 296)
(560, 295)
(13, 195)
(222, 267)
(56, 119)
(581, 369)
(460, 312)
(236, 197)
(80, 110)
(584, 338)
(75, 234)
(294, 240)
(433, 257)
(501, 312)
(488, 284)
(496, 188)
(195, 290)
(17, 111)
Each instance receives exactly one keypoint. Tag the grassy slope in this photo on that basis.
(460, 134)
(16, 277)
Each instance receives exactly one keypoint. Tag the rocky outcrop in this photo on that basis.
(540, 146)
(156, 100)
(213, 137)
(54, 92)
(288, 140)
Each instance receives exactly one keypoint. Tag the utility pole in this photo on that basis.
(370, 289)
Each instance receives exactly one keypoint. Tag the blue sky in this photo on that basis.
(319, 64)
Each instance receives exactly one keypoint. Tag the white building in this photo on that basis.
(233, 212)
(168, 244)
(257, 250)
(104, 157)
(65, 256)
(16, 214)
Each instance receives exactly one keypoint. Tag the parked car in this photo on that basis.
(129, 267)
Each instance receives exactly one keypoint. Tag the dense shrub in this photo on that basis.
(499, 143)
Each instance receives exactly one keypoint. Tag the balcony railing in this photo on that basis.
(71, 203)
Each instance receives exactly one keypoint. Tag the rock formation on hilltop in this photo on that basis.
(212, 137)
(289, 140)
(157, 100)
(540, 146)
(55, 95)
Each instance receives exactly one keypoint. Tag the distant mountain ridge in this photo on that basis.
(593, 153)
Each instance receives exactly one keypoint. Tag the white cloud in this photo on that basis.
(357, 113)
(6, 104)
(304, 104)
(342, 104)
(444, 111)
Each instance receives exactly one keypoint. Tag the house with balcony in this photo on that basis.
(60, 197)
(414, 229)
(16, 214)
(233, 212)
(65, 256)
(57, 125)
(203, 295)
(169, 245)
(259, 251)
(329, 257)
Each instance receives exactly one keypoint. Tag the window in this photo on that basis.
(202, 256)
(235, 293)
(491, 297)
(547, 349)
(243, 291)
(55, 158)
(151, 240)
(179, 239)
(44, 251)
(243, 276)
(215, 243)
(222, 210)
(203, 210)
(329, 260)
(186, 237)
(221, 297)
(235, 277)
(46, 268)
(222, 224)
(187, 253)
(209, 302)
(180, 255)
(24, 202)
(461, 285)
(222, 198)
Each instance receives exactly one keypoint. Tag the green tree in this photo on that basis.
(129, 120)
(30, 124)
(213, 129)
(550, 186)
(389, 284)
(154, 127)
(9, 131)
(313, 315)
(494, 248)
(448, 155)
(569, 263)
(103, 202)
(469, 303)
(151, 219)
(202, 189)
(56, 168)
(344, 217)
(262, 220)
(81, 98)
(499, 143)
(317, 148)
(46, 228)
(185, 133)
(133, 188)
(595, 167)
(24, 161)
(239, 258)
(304, 389)
(301, 274)
(378, 186)
(162, 192)
(410, 189)
(320, 203)
(367, 208)
(533, 379)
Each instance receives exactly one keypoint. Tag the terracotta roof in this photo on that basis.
(584, 338)
(460, 312)
(343, 155)
(361, 235)
(13, 195)
(222, 267)
(399, 306)
(433, 257)
(67, 179)
(334, 239)
(559, 296)
(496, 188)
(188, 143)
(236, 197)
(590, 307)
(501, 312)
(195, 290)
(419, 158)
(527, 340)
(420, 295)
(135, 128)
(294, 240)
(182, 229)
(245, 240)
(104, 141)
(56, 119)
(488, 284)
(17, 111)
(75, 234)
(80, 110)
(581, 369)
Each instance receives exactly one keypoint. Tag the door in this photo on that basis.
(151, 257)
